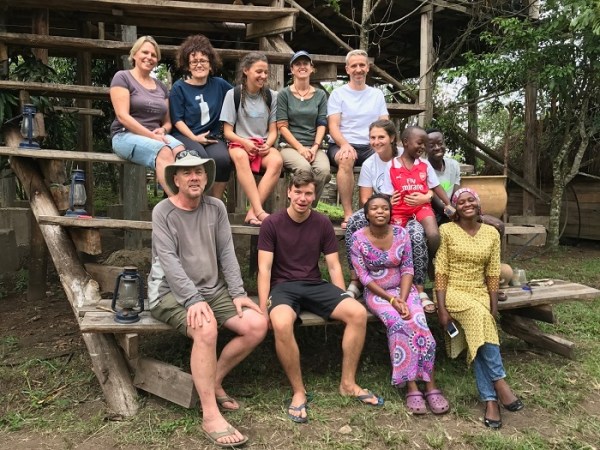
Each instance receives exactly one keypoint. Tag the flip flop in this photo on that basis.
(368, 396)
(297, 419)
(253, 222)
(437, 402)
(416, 403)
(230, 431)
(221, 400)
(428, 306)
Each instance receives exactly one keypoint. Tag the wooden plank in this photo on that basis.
(104, 322)
(57, 90)
(527, 330)
(271, 27)
(561, 291)
(509, 228)
(109, 47)
(166, 381)
(62, 154)
(139, 224)
(166, 9)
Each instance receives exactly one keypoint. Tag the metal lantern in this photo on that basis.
(29, 127)
(77, 195)
(128, 296)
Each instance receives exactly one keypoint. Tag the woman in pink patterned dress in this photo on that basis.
(382, 257)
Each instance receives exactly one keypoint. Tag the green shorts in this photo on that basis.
(173, 313)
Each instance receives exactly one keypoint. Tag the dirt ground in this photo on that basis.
(46, 330)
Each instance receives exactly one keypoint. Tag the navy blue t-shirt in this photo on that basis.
(187, 101)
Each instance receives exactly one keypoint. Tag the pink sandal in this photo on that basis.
(437, 402)
(416, 403)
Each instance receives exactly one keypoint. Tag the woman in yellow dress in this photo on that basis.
(467, 274)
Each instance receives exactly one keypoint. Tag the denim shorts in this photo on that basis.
(141, 150)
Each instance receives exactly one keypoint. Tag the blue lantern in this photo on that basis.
(29, 127)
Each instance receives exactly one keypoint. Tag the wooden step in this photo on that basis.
(67, 155)
(402, 110)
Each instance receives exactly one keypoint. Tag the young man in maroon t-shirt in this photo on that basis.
(290, 244)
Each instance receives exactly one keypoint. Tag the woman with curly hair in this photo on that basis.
(196, 102)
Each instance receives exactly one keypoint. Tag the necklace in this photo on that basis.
(300, 94)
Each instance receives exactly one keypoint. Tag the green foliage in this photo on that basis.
(21, 281)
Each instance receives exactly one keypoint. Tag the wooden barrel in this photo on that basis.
(491, 190)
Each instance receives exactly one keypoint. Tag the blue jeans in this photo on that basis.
(488, 368)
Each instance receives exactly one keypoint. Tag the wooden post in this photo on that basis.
(108, 363)
(530, 162)
(425, 69)
(85, 141)
(40, 25)
(134, 176)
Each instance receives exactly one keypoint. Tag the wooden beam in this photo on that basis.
(271, 27)
(105, 275)
(426, 68)
(130, 344)
(113, 373)
(166, 9)
(40, 25)
(543, 313)
(527, 330)
(57, 90)
(77, 110)
(86, 240)
(166, 381)
(117, 48)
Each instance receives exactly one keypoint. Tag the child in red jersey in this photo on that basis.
(413, 181)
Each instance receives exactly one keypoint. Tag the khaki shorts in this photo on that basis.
(169, 311)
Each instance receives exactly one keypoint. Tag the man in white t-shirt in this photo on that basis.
(350, 110)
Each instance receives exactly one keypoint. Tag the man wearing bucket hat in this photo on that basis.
(191, 241)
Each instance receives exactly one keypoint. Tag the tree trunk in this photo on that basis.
(555, 206)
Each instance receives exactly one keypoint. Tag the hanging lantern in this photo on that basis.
(128, 296)
(29, 127)
(77, 195)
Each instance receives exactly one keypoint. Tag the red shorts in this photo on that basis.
(419, 213)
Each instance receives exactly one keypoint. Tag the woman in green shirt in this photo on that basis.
(302, 122)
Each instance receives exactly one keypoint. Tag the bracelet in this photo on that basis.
(392, 300)
(317, 144)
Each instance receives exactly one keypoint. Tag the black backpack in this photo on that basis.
(237, 98)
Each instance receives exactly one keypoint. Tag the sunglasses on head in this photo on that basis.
(184, 153)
